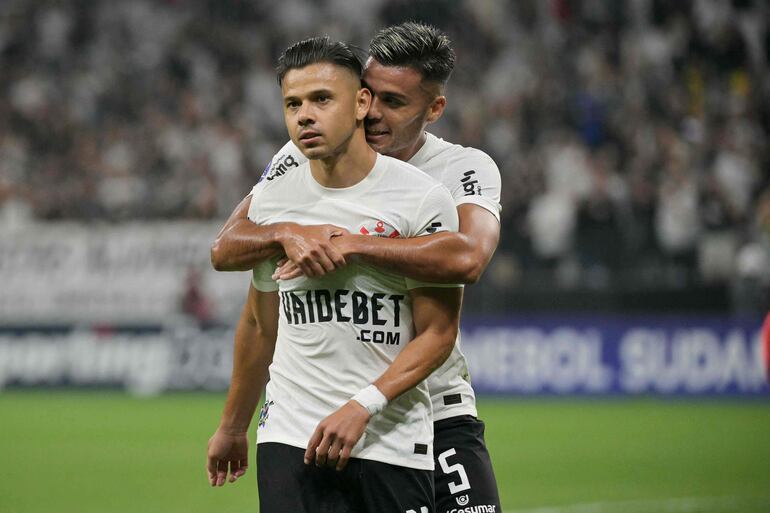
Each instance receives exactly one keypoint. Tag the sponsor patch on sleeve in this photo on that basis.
(470, 184)
(279, 167)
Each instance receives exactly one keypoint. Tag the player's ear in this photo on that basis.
(363, 102)
(436, 108)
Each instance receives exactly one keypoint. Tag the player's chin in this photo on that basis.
(379, 142)
(315, 151)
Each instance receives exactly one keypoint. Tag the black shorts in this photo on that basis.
(464, 476)
(287, 485)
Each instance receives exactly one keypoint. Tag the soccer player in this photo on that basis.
(407, 70)
(350, 350)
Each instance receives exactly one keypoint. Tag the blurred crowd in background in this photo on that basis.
(632, 137)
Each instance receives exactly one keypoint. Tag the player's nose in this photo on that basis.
(305, 115)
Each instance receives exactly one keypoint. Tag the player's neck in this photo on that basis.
(350, 164)
(405, 154)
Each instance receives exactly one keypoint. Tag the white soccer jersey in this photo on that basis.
(339, 333)
(472, 177)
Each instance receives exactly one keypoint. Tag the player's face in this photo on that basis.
(402, 104)
(322, 105)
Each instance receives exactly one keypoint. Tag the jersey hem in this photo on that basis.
(448, 413)
(495, 211)
(372, 455)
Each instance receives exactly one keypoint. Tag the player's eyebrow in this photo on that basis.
(312, 94)
(391, 94)
(321, 92)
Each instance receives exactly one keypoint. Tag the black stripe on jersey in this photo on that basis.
(449, 400)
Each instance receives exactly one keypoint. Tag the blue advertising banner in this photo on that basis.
(533, 355)
(615, 355)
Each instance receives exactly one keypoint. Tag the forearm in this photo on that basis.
(446, 257)
(441, 258)
(242, 245)
(436, 318)
(415, 363)
(252, 355)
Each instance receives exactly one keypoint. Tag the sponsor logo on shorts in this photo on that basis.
(470, 184)
(481, 508)
(433, 227)
(462, 500)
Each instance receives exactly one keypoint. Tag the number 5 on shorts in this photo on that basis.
(464, 484)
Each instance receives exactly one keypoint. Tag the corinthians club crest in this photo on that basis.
(264, 413)
(379, 229)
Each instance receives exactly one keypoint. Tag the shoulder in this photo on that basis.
(286, 159)
(275, 192)
(467, 169)
(413, 176)
(281, 180)
(467, 157)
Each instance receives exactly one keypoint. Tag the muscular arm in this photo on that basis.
(436, 316)
(446, 257)
(255, 338)
(241, 244)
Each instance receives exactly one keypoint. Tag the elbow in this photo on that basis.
(218, 261)
(473, 275)
(449, 340)
(448, 337)
(469, 270)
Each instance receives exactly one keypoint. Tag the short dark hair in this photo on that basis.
(416, 45)
(319, 49)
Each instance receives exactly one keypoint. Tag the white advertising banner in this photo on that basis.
(129, 273)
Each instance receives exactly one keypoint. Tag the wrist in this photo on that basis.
(282, 232)
(371, 399)
(349, 245)
(233, 429)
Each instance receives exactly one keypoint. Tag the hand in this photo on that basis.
(286, 270)
(310, 248)
(335, 436)
(227, 450)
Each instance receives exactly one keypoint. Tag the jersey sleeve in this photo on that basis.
(475, 179)
(287, 158)
(261, 276)
(256, 194)
(437, 213)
